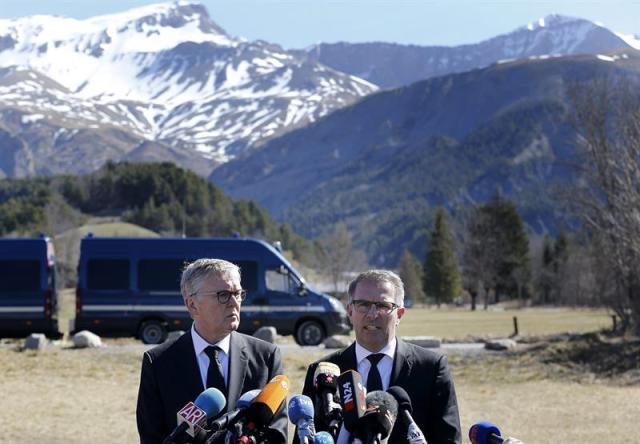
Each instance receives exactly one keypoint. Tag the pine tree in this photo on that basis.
(512, 272)
(441, 277)
(410, 271)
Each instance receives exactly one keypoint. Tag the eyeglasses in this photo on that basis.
(363, 307)
(225, 295)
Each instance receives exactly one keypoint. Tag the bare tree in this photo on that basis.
(606, 116)
(479, 258)
(341, 256)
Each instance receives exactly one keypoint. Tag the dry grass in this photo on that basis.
(552, 393)
(463, 323)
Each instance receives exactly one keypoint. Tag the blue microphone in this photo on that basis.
(230, 418)
(323, 438)
(485, 432)
(192, 418)
(301, 414)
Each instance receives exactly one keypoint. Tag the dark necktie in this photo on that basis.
(215, 376)
(374, 381)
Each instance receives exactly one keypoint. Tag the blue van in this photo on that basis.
(28, 300)
(131, 286)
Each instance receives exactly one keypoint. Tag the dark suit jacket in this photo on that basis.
(425, 375)
(170, 379)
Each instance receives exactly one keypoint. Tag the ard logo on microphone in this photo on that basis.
(191, 414)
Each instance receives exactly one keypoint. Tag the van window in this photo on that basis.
(108, 274)
(19, 275)
(248, 274)
(160, 274)
(277, 281)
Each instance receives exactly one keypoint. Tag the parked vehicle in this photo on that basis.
(131, 286)
(28, 299)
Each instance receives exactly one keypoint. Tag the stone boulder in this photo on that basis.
(424, 341)
(35, 341)
(500, 344)
(266, 334)
(336, 342)
(86, 339)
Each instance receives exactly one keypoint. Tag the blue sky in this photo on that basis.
(299, 23)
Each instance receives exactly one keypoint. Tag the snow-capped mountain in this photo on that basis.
(392, 65)
(165, 74)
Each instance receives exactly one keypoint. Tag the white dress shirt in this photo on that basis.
(199, 344)
(385, 366)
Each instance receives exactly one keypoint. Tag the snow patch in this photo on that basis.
(26, 119)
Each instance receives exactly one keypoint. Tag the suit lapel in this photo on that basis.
(348, 359)
(187, 368)
(401, 363)
(237, 369)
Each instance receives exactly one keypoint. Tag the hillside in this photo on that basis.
(161, 197)
(385, 163)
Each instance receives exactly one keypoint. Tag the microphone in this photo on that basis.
(378, 419)
(301, 414)
(323, 438)
(228, 419)
(266, 404)
(485, 432)
(192, 418)
(352, 398)
(414, 434)
(325, 381)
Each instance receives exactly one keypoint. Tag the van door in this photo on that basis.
(285, 304)
(158, 296)
(106, 303)
(21, 295)
(252, 310)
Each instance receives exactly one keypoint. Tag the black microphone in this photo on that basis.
(192, 418)
(378, 419)
(352, 398)
(414, 434)
(230, 418)
(325, 382)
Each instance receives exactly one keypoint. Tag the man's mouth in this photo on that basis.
(371, 327)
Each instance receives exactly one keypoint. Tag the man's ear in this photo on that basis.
(191, 305)
(400, 311)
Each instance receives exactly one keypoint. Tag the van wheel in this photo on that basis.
(310, 333)
(152, 332)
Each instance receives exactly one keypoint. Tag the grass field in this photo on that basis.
(462, 323)
(62, 395)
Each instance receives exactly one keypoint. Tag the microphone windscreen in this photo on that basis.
(323, 438)
(380, 415)
(326, 369)
(268, 401)
(212, 401)
(247, 398)
(300, 407)
(481, 431)
(401, 395)
(352, 398)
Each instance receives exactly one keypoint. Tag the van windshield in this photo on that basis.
(17, 275)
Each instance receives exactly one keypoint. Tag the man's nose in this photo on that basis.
(372, 312)
(234, 301)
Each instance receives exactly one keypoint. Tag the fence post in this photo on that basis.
(515, 326)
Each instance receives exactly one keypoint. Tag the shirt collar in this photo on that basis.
(388, 350)
(199, 343)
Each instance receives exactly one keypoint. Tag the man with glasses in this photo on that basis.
(212, 354)
(375, 308)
